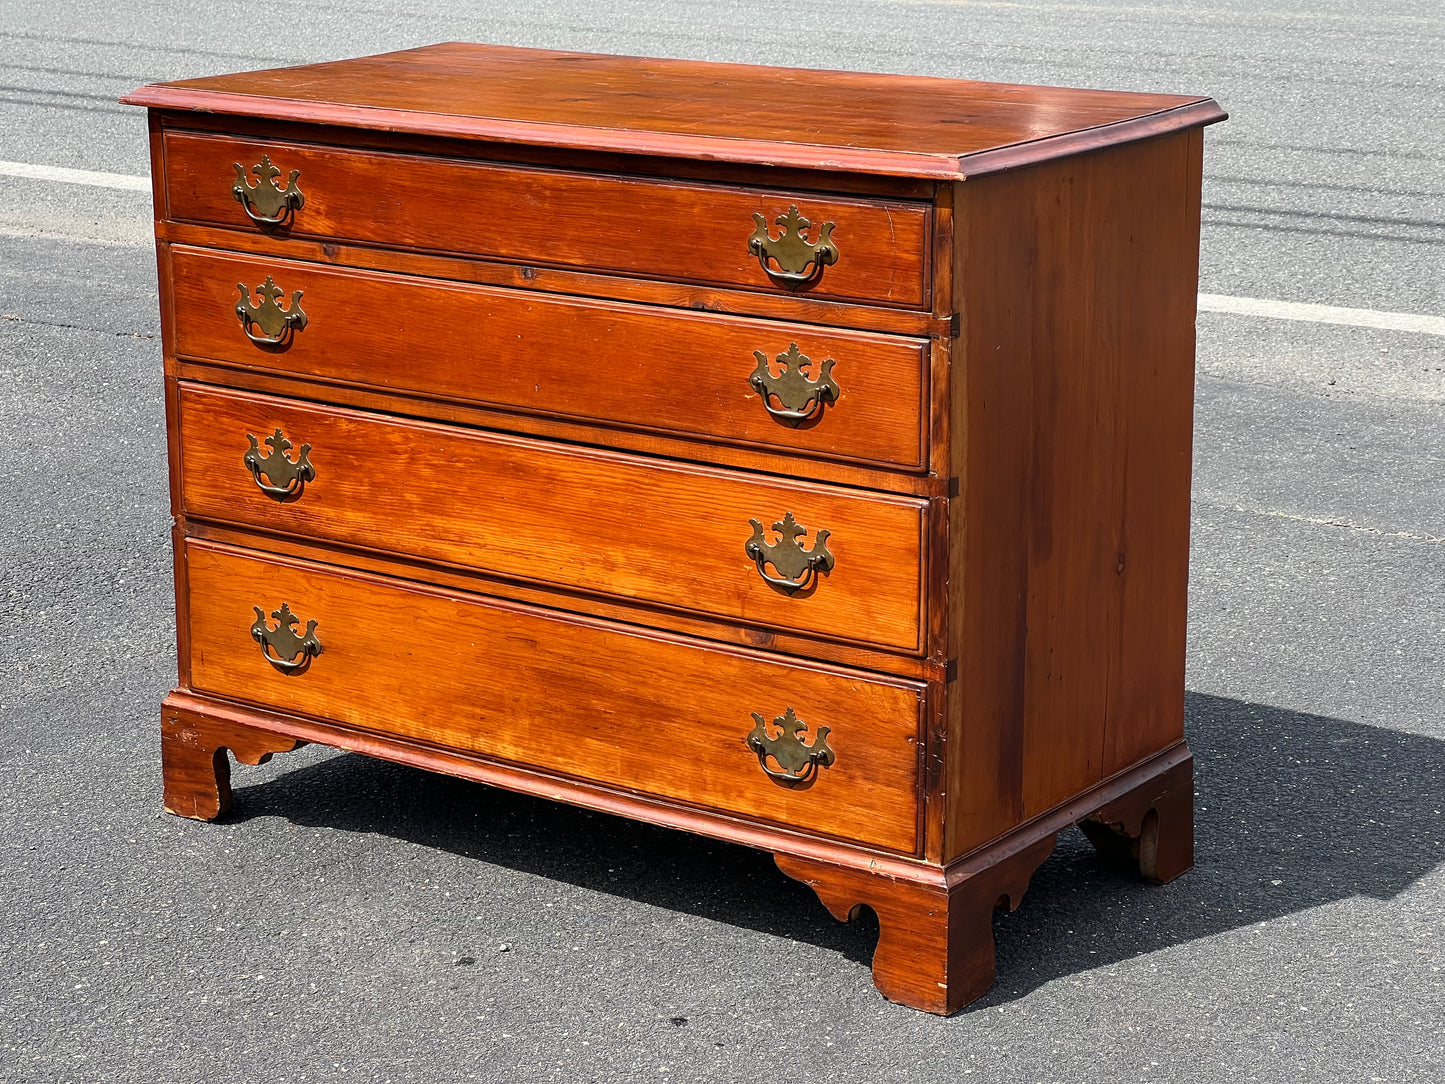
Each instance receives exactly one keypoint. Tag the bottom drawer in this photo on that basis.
(624, 707)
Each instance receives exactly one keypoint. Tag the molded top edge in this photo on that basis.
(890, 125)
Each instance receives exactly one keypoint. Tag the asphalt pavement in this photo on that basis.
(355, 920)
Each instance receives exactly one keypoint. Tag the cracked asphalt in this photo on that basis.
(355, 920)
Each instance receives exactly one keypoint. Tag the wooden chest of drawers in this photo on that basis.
(797, 458)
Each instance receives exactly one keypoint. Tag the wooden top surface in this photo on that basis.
(884, 124)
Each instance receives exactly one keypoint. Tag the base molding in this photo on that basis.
(1149, 829)
(935, 941)
(935, 946)
(194, 764)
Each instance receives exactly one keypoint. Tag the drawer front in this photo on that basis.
(665, 716)
(653, 229)
(577, 518)
(658, 369)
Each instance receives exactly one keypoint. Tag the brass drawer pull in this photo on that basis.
(283, 649)
(800, 262)
(273, 204)
(797, 568)
(285, 480)
(801, 399)
(277, 325)
(799, 762)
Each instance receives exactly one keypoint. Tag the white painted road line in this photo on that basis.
(94, 178)
(1323, 314)
(1241, 306)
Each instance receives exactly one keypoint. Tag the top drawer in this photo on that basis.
(698, 233)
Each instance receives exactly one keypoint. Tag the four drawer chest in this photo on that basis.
(796, 458)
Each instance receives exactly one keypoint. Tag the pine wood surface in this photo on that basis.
(667, 230)
(904, 125)
(551, 596)
(1072, 433)
(217, 720)
(790, 307)
(623, 525)
(935, 942)
(196, 769)
(752, 174)
(1000, 645)
(657, 714)
(681, 372)
(689, 450)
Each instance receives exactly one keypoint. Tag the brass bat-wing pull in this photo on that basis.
(272, 203)
(282, 647)
(798, 762)
(285, 478)
(796, 567)
(799, 399)
(274, 326)
(792, 260)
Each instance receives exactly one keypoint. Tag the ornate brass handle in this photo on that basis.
(282, 648)
(286, 480)
(799, 762)
(801, 400)
(274, 204)
(277, 325)
(797, 568)
(800, 262)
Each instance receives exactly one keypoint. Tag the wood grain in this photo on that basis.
(525, 387)
(752, 174)
(196, 767)
(645, 712)
(613, 524)
(1146, 691)
(794, 308)
(1071, 531)
(935, 947)
(941, 473)
(1151, 828)
(628, 611)
(670, 371)
(935, 941)
(904, 125)
(682, 449)
(666, 230)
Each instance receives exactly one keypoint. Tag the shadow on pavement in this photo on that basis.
(1292, 811)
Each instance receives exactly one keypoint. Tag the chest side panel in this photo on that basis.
(1072, 411)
